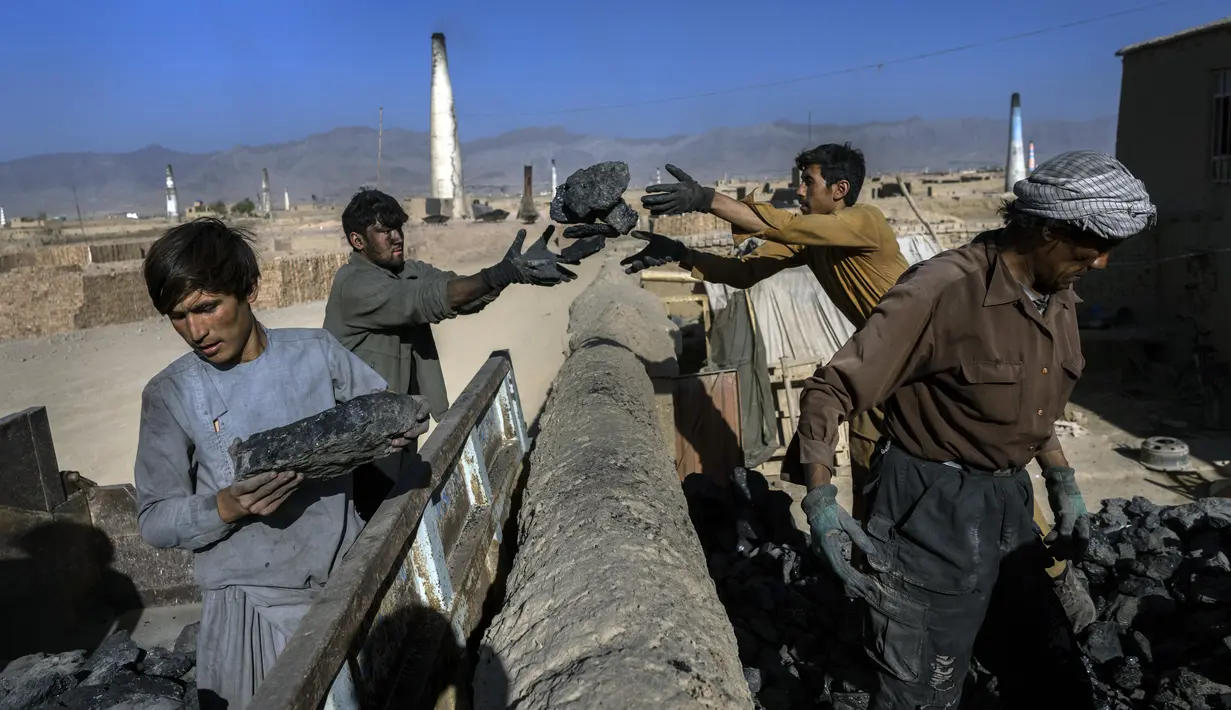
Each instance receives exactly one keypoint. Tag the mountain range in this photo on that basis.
(330, 166)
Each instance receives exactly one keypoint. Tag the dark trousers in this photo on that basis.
(962, 572)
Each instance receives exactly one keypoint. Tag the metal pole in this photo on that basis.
(380, 135)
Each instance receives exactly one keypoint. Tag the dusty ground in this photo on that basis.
(91, 380)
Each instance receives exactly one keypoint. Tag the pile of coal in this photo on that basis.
(331, 443)
(119, 674)
(1161, 581)
(798, 633)
(595, 194)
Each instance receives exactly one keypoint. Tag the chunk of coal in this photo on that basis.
(1128, 674)
(1195, 688)
(1138, 645)
(114, 655)
(590, 193)
(1101, 552)
(753, 677)
(623, 218)
(166, 664)
(1158, 567)
(1140, 506)
(1123, 610)
(125, 690)
(1103, 642)
(186, 642)
(1143, 587)
(1206, 513)
(32, 680)
(333, 442)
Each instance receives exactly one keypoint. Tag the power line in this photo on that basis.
(849, 70)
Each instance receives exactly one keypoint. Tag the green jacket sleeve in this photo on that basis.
(385, 303)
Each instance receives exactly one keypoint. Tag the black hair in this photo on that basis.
(205, 254)
(1016, 219)
(837, 163)
(370, 207)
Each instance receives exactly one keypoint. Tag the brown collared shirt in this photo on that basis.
(967, 368)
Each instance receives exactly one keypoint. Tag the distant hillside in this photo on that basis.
(332, 165)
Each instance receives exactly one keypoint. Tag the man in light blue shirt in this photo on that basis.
(264, 546)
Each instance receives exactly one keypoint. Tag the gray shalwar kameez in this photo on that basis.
(258, 575)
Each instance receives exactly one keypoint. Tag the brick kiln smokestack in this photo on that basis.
(553, 177)
(265, 203)
(527, 212)
(1030, 159)
(3, 222)
(446, 154)
(1015, 166)
(173, 205)
(286, 200)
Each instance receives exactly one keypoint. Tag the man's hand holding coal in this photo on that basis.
(408, 437)
(259, 495)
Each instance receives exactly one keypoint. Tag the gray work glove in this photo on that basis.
(1070, 536)
(659, 250)
(826, 519)
(687, 195)
(537, 265)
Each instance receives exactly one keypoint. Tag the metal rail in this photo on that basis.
(413, 585)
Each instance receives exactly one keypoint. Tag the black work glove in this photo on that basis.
(826, 519)
(537, 265)
(581, 231)
(687, 195)
(580, 249)
(660, 250)
(1070, 536)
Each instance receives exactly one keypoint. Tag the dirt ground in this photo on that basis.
(91, 380)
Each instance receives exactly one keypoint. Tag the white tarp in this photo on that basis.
(794, 316)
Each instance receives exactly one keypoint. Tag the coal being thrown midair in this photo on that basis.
(595, 194)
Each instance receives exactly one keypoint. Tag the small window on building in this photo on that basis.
(1220, 140)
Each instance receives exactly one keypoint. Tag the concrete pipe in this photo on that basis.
(609, 603)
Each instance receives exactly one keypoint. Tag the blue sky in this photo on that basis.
(201, 76)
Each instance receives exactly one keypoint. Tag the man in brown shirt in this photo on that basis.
(972, 355)
(848, 246)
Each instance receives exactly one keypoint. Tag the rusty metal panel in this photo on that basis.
(398, 611)
(707, 425)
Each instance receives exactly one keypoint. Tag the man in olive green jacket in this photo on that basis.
(382, 306)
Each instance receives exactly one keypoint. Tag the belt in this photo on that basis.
(886, 443)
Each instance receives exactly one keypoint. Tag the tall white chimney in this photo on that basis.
(553, 178)
(3, 223)
(265, 205)
(173, 205)
(446, 153)
(1015, 166)
(286, 200)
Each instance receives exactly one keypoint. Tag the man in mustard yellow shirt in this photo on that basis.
(853, 252)
(848, 246)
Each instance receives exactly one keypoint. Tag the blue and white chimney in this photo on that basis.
(1015, 167)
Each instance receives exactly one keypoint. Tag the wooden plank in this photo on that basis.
(304, 671)
(708, 425)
